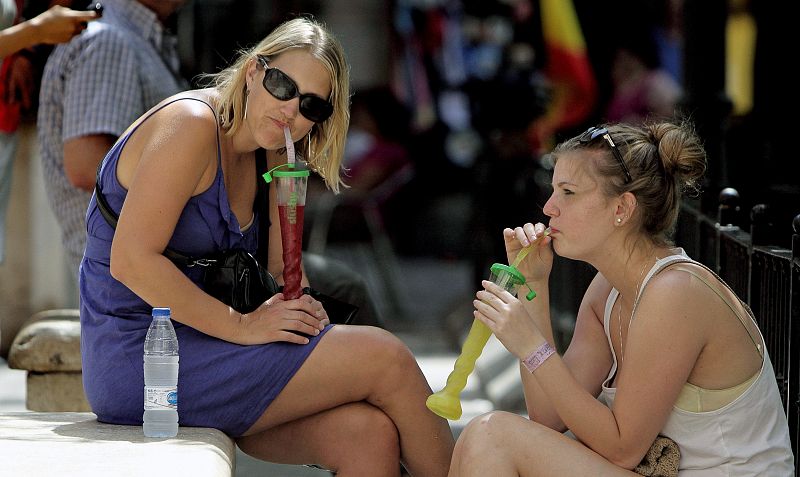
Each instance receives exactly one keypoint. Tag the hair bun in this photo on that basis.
(681, 152)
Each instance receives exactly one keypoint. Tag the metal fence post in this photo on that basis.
(794, 344)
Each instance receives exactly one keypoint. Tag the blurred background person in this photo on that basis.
(56, 25)
(93, 88)
(377, 138)
(642, 88)
(19, 76)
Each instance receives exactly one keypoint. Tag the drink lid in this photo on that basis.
(161, 311)
(296, 173)
(292, 172)
(517, 278)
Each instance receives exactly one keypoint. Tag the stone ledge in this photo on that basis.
(55, 392)
(75, 444)
(49, 341)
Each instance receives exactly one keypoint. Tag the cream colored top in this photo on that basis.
(746, 436)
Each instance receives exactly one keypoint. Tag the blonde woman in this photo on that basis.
(287, 385)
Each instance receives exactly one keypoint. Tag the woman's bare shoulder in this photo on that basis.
(596, 295)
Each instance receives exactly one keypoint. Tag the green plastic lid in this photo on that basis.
(295, 173)
(292, 172)
(516, 276)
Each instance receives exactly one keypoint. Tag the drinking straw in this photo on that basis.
(289, 146)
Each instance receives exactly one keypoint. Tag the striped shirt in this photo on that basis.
(99, 83)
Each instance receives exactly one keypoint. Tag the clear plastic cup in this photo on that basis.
(510, 279)
(291, 187)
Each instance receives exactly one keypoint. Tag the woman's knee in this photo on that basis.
(486, 431)
(385, 350)
(376, 361)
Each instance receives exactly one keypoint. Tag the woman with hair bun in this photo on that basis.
(663, 351)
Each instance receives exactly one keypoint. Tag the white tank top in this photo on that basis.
(747, 437)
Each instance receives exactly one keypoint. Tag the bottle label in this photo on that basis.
(160, 397)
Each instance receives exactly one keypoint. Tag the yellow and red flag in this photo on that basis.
(574, 88)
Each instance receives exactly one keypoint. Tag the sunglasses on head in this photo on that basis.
(593, 133)
(282, 87)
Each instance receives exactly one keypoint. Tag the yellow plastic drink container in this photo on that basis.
(447, 402)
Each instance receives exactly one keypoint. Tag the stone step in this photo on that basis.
(74, 444)
(48, 347)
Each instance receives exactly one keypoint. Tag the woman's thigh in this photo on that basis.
(350, 364)
(525, 448)
(355, 436)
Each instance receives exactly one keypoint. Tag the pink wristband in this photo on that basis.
(538, 356)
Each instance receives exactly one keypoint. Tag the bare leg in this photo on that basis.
(505, 444)
(355, 439)
(362, 363)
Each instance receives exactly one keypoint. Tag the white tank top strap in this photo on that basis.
(665, 262)
(660, 264)
(612, 297)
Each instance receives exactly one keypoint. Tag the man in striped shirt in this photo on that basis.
(93, 88)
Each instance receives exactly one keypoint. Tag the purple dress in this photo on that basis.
(220, 384)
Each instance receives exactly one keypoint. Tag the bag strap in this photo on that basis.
(262, 207)
(262, 198)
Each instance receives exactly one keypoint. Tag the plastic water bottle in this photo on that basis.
(161, 377)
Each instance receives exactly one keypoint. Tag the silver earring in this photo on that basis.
(310, 152)
(246, 95)
(619, 221)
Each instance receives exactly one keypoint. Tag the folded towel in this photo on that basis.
(661, 460)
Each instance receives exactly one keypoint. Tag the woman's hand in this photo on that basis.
(278, 319)
(506, 317)
(538, 262)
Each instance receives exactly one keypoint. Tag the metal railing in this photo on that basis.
(764, 275)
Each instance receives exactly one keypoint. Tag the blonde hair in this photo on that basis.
(665, 160)
(323, 149)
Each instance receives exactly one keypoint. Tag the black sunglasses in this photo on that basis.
(282, 87)
(593, 133)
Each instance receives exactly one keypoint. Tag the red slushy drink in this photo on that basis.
(291, 217)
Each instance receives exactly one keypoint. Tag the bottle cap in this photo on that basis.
(161, 312)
